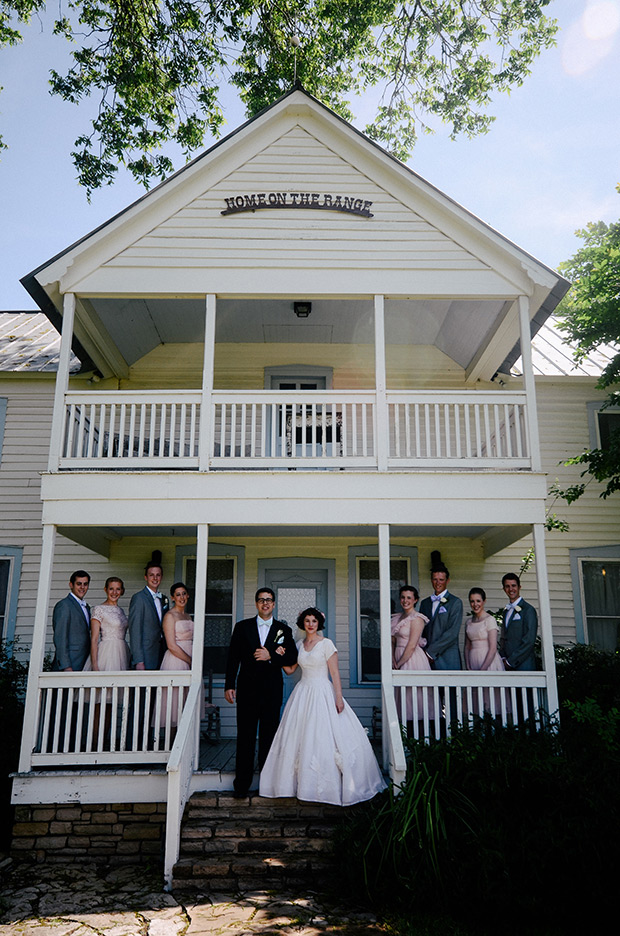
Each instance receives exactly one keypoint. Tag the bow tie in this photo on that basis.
(435, 597)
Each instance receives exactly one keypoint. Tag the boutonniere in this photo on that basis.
(517, 609)
(279, 638)
(443, 600)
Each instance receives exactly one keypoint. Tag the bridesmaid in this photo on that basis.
(178, 629)
(408, 653)
(481, 645)
(109, 649)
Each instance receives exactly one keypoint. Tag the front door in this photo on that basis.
(298, 584)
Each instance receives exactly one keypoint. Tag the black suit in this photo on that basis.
(259, 691)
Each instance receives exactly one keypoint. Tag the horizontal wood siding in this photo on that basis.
(593, 521)
(199, 236)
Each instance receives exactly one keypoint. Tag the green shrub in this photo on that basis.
(499, 828)
(13, 676)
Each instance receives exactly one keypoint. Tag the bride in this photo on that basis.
(320, 752)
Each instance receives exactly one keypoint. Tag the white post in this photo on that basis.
(200, 608)
(382, 428)
(206, 416)
(37, 650)
(546, 632)
(385, 614)
(528, 382)
(62, 381)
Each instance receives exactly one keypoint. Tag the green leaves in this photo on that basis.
(590, 316)
(157, 67)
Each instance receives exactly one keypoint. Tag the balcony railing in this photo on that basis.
(294, 429)
(107, 717)
(428, 700)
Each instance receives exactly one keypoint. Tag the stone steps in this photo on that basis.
(252, 842)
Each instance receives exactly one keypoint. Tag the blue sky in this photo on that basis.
(548, 166)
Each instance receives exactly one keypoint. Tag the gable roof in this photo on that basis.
(444, 243)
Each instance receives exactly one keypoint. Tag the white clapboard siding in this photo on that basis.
(199, 236)
(562, 416)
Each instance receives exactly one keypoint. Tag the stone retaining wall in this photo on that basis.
(107, 833)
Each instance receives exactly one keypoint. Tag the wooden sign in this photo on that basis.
(315, 201)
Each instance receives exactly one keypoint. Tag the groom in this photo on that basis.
(259, 648)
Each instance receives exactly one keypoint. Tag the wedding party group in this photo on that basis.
(316, 750)
(160, 631)
(430, 638)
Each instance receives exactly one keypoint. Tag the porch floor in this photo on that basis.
(219, 756)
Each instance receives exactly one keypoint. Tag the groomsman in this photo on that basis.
(146, 611)
(260, 646)
(445, 614)
(520, 623)
(71, 623)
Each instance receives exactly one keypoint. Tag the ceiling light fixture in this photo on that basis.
(302, 309)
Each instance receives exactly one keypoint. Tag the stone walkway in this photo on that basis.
(83, 900)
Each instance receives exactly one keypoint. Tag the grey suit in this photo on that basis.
(145, 634)
(71, 635)
(517, 639)
(442, 632)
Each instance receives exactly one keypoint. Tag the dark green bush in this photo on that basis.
(503, 828)
(13, 676)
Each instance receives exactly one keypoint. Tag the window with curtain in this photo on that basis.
(600, 580)
(220, 607)
(368, 617)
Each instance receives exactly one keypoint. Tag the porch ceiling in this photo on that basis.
(458, 327)
(493, 538)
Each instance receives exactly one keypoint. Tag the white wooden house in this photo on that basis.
(289, 358)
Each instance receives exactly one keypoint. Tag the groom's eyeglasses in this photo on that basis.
(265, 601)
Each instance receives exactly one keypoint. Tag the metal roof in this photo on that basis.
(30, 343)
(552, 355)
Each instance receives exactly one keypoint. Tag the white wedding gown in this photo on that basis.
(317, 754)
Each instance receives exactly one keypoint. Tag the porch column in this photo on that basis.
(62, 381)
(200, 603)
(393, 752)
(528, 382)
(208, 361)
(385, 614)
(37, 649)
(546, 632)
(200, 608)
(382, 430)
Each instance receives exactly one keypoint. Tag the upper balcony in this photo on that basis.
(249, 430)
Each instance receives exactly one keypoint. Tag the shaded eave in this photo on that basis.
(559, 290)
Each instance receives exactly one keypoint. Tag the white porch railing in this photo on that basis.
(137, 429)
(126, 430)
(436, 699)
(469, 430)
(181, 765)
(300, 428)
(107, 717)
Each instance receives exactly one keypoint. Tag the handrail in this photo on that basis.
(72, 725)
(180, 767)
(398, 764)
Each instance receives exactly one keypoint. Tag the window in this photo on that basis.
(365, 626)
(10, 569)
(601, 603)
(224, 597)
(601, 423)
(596, 592)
